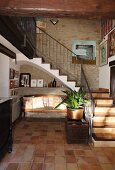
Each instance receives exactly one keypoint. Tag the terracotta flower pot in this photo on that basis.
(76, 114)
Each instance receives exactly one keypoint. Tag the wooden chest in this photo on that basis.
(77, 131)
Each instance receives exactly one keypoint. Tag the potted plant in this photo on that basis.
(74, 102)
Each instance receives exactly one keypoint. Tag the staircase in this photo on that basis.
(103, 131)
(55, 58)
(37, 62)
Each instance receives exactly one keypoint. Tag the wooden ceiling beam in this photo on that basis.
(7, 52)
(60, 8)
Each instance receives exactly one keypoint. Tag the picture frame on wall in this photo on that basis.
(33, 82)
(40, 83)
(16, 74)
(11, 73)
(25, 80)
(103, 53)
(111, 44)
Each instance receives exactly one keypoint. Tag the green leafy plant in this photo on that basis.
(73, 99)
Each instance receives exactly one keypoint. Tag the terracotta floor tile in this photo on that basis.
(49, 159)
(72, 166)
(42, 145)
(69, 152)
(39, 152)
(12, 166)
(3, 166)
(79, 152)
(60, 159)
(61, 166)
(70, 159)
(89, 167)
(39, 159)
(37, 166)
(59, 152)
(49, 166)
(103, 159)
(24, 166)
(88, 160)
(107, 166)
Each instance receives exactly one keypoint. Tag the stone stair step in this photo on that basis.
(104, 121)
(103, 137)
(100, 90)
(106, 110)
(107, 131)
(104, 114)
(103, 143)
(103, 102)
(100, 95)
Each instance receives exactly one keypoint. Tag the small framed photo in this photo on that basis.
(11, 74)
(11, 84)
(40, 83)
(103, 53)
(16, 83)
(33, 82)
(16, 74)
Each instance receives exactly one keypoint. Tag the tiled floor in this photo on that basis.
(41, 145)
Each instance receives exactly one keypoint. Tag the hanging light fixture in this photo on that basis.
(54, 21)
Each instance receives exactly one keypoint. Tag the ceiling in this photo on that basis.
(86, 9)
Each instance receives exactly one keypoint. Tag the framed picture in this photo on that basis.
(40, 83)
(16, 74)
(111, 44)
(11, 84)
(16, 83)
(25, 79)
(11, 74)
(33, 82)
(103, 53)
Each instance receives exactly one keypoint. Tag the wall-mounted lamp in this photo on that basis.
(54, 21)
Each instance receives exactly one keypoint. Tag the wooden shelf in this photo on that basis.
(83, 61)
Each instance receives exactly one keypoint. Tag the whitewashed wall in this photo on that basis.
(104, 75)
(4, 75)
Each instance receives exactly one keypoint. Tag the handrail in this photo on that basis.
(58, 42)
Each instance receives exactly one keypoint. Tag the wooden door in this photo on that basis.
(112, 82)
